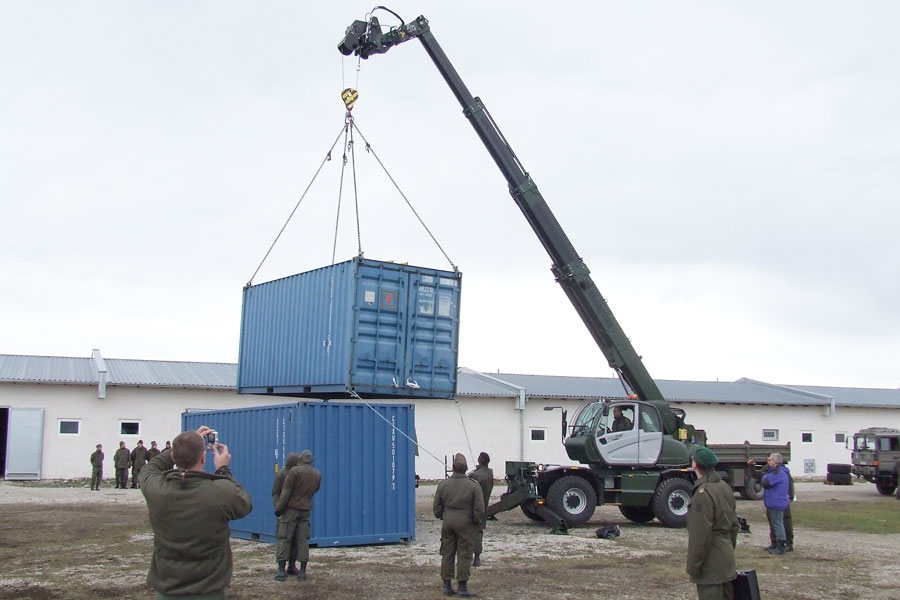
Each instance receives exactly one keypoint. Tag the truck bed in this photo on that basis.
(741, 453)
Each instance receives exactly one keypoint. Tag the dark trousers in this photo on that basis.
(293, 535)
(121, 477)
(135, 471)
(96, 477)
(719, 591)
(457, 548)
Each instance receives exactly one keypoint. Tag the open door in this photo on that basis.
(24, 443)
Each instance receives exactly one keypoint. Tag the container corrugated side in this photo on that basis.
(363, 451)
(384, 330)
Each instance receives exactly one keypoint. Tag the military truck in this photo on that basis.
(876, 457)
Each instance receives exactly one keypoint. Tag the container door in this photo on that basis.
(431, 355)
(25, 443)
(381, 304)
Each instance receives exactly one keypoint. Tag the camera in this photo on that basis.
(211, 440)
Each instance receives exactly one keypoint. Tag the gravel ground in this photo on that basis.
(520, 556)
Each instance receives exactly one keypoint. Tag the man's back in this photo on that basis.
(189, 513)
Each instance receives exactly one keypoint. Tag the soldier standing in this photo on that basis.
(122, 460)
(286, 548)
(459, 502)
(97, 468)
(139, 458)
(484, 477)
(293, 508)
(153, 451)
(712, 530)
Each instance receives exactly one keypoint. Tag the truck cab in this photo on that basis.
(876, 457)
(626, 433)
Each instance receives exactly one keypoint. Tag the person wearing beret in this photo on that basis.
(712, 530)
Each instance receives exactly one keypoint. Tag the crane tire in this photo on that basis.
(839, 468)
(671, 501)
(573, 499)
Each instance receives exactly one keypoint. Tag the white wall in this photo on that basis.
(444, 427)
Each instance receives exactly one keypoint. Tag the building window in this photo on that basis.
(806, 437)
(840, 438)
(69, 427)
(539, 435)
(129, 428)
(770, 435)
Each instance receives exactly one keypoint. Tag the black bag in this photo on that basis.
(746, 587)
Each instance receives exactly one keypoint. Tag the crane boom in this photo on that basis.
(365, 38)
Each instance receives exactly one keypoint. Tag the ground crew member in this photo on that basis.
(122, 461)
(189, 513)
(97, 468)
(459, 502)
(139, 458)
(484, 477)
(712, 530)
(293, 544)
(293, 508)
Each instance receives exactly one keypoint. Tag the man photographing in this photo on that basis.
(189, 513)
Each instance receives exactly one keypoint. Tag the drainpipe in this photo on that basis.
(100, 365)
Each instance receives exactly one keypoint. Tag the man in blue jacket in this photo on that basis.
(776, 484)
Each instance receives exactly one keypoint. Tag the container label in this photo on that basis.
(448, 282)
(369, 297)
(425, 301)
(393, 453)
(388, 300)
(444, 305)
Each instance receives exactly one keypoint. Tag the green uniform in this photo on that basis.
(96, 469)
(484, 477)
(712, 535)
(295, 503)
(292, 545)
(122, 461)
(139, 458)
(459, 501)
(189, 514)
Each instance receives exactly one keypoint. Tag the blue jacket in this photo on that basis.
(776, 483)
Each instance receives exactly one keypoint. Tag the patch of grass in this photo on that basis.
(869, 517)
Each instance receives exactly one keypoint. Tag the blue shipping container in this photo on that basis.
(384, 330)
(364, 452)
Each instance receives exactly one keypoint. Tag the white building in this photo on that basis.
(54, 410)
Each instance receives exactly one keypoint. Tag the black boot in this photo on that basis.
(476, 562)
(464, 590)
(280, 575)
(292, 568)
(302, 573)
(448, 588)
(779, 548)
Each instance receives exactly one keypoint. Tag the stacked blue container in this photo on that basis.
(381, 329)
(364, 451)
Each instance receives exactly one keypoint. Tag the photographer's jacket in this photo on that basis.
(189, 514)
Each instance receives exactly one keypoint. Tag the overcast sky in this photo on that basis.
(728, 171)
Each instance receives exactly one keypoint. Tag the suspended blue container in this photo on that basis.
(364, 452)
(381, 329)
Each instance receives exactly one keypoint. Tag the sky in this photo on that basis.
(729, 172)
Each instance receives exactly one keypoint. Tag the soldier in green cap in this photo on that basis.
(712, 530)
(459, 502)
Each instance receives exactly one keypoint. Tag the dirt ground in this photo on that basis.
(66, 543)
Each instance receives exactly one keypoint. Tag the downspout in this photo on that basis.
(100, 366)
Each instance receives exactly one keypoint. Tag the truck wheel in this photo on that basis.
(885, 486)
(839, 468)
(637, 514)
(671, 502)
(573, 499)
(753, 490)
(528, 511)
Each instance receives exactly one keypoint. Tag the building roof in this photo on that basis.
(179, 374)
